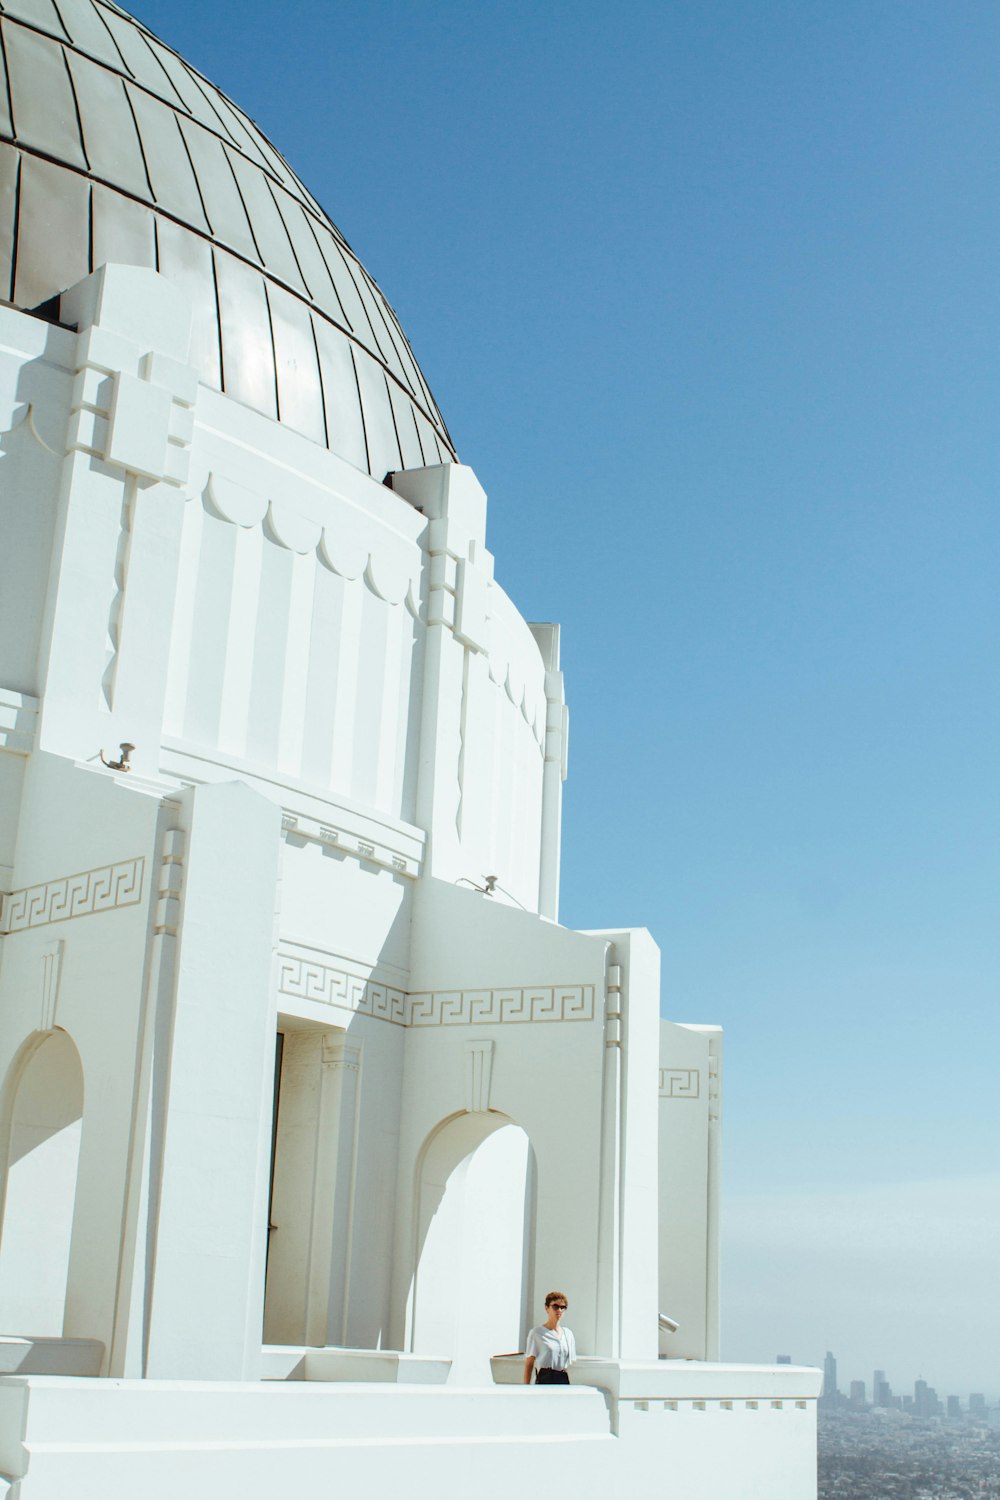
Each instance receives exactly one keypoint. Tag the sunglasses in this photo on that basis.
(562, 1306)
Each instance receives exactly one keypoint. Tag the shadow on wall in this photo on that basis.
(31, 448)
(471, 1291)
(41, 1117)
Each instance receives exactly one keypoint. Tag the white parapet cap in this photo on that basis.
(684, 1379)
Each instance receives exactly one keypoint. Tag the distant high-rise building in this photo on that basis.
(784, 1359)
(857, 1395)
(925, 1400)
(881, 1390)
(954, 1408)
(977, 1405)
(829, 1378)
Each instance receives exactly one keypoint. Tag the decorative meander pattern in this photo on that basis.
(82, 895)
(680, 1083)
(307, 979)
(567, 1002)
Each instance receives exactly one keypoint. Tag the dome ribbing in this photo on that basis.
(112, 148)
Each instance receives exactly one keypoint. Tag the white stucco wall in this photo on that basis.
(42, 1125)
(690, 1087)
(237, 604)
(340, 725)
(256, 606)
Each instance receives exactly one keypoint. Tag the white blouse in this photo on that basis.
(553, 1348)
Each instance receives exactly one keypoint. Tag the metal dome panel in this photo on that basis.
(113, 149)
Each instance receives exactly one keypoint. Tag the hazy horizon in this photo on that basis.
(898, 1274)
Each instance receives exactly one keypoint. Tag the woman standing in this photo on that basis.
(550, 1347)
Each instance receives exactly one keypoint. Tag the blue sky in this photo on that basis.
(708, 296)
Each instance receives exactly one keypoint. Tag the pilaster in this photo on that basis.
(553, 770)
(212, 1088)
(459, 571)
(128, 438)
(341, 1108)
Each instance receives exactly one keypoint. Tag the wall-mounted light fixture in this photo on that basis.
(123, 764)
(487, 889)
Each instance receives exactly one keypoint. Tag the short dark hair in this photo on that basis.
(555, 1297)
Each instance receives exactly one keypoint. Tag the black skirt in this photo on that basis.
(551, 1377)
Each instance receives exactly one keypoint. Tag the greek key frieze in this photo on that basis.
(570, 1002)
(308, 979)
(680, 1083)
(82, 895)
(385, 1003)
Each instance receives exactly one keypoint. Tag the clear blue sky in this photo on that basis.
(708, 295)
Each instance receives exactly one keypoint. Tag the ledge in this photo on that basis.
(49, 1356)
(683, 1379)
(359, 1366)
(18, 721)
(679, 1379)
(343, 825)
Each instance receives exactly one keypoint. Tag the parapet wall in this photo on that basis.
(683, 1432)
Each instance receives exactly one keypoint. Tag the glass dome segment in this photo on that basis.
(113, 149)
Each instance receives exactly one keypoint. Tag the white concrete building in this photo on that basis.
(285, 1158)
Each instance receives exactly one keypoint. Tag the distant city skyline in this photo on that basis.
(879, 1390)
(901, 1276)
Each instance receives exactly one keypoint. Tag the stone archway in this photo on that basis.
(475, 1231)
(44, 1118)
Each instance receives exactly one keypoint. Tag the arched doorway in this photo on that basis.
(475, 1220)
(44, 1117)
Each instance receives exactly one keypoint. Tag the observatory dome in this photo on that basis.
(112, 148)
